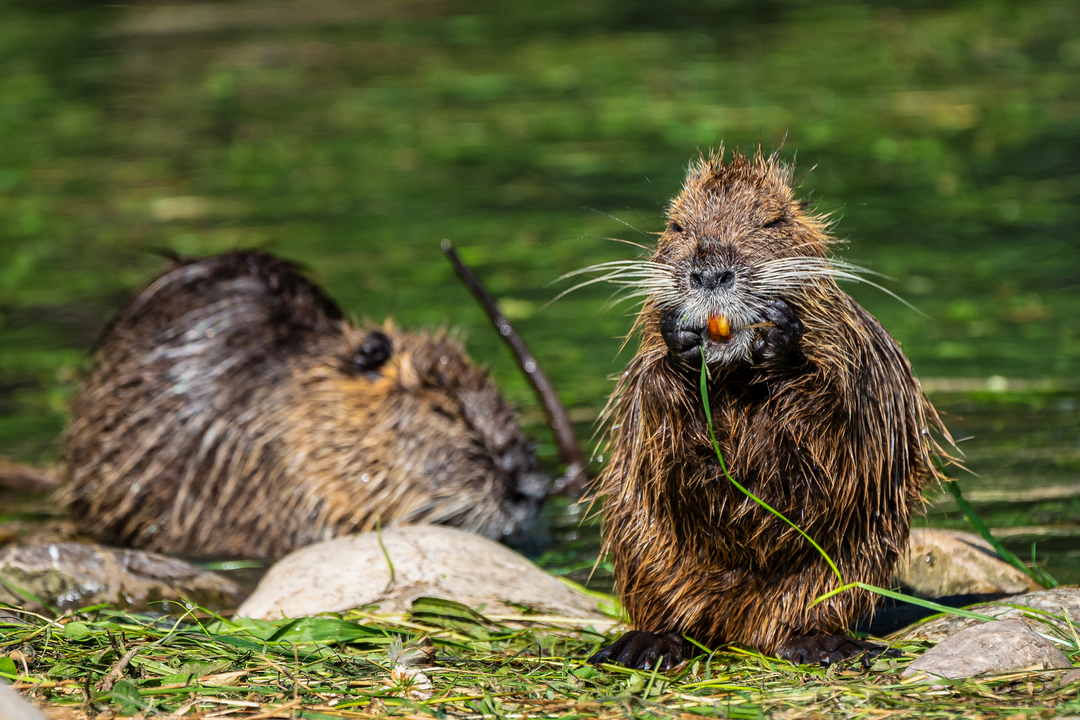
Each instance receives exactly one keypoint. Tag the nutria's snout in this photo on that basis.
(524, 527)
(719, 294)
(714, 316)
(527, 489)
(709, 279)
(528, 484)
(532, 487)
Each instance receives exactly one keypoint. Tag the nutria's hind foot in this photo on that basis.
(776, 342)
(640, 650)
(827, 649)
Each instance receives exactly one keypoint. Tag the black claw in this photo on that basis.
(641, 650)
(827, 649)
(684, 341)
(778, 341)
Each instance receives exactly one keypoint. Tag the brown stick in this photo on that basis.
(576, 477)
(106, 683)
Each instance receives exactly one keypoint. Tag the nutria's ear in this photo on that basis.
(373, 352)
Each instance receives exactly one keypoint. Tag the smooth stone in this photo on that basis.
(1057, 601)
(74, 575)
(992, 648)
(13, 707)
(429, 561)
(942, 563)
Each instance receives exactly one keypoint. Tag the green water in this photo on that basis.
(354, 136)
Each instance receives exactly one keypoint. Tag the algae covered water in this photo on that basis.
(944, 139)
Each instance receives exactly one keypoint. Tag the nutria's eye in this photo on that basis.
(675, 227)
(373, 352)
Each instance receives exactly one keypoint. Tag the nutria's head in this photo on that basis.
(485, 477)
(432, 440)
(735, 240)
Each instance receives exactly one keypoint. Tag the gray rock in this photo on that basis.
(1061, 601)
(941, 563)
(13, 707)
(991, 648)
(430, 561)
(72, 575)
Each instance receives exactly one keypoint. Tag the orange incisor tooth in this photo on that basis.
(719, 328)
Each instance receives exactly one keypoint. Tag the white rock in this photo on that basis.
(989, 648)
(13, 707)
(431, 561)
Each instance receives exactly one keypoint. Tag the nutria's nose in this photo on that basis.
(711, 279)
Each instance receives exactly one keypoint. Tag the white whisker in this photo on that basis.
(639, 231)
(790, 273)
(631, 243)
(644, 276)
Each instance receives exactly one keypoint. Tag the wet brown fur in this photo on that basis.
(839, 442)
(226, 418)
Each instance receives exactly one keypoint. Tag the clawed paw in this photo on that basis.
(775, 342)
(683, 339)
(828, 649)
(641, 650)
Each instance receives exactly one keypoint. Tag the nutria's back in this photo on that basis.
(235, 411)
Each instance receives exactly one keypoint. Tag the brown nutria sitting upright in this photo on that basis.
(816, 411)
(236, 412)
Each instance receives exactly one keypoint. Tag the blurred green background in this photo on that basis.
(353, 136)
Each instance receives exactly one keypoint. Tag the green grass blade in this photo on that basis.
(752, 496)
(928, 604)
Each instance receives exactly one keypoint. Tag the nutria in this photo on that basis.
(235, 411)
(816, 411)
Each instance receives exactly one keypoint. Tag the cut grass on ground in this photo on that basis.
(102, 662)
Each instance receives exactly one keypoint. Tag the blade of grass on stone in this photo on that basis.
(928, 604)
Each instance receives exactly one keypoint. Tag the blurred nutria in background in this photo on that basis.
(234, 411)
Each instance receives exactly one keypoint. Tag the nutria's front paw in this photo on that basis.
(641, 650)
(776, 342)
(683, 340)
(827, 649)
